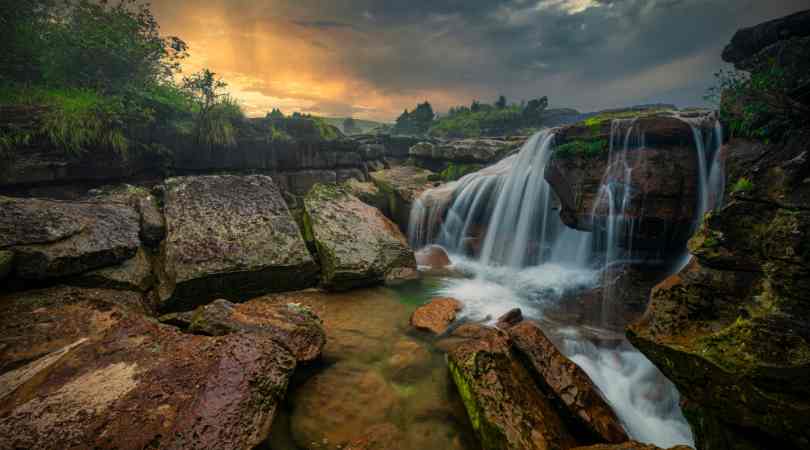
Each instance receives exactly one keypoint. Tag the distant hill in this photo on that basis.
(365, 126)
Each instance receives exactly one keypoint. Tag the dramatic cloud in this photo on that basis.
(374, 58)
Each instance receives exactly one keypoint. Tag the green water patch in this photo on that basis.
(417, 293)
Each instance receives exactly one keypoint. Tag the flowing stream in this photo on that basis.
(507, 215)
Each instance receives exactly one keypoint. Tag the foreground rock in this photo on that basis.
(630, 445)
(52, 239)
(437, 315)
(571, 386)
(85, 359)
(731, 329)
(229, 236)
(401, 186)
(293, 326)
(505, 408)
(356, 244)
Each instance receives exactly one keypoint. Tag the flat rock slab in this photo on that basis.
(52, 239)
(572, 387)
(357, 245)
(505, 407)
(89, 371)
(437, 315)
(229, 236)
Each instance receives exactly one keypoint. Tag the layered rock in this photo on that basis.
(293, 326)
(504, 406)
(84, 359)
(356, 244)
(663, 187)
(53, 239)
(459, 157)
(730, 330)
(230, 236)
(400, 186)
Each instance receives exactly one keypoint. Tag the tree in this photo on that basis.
(275, 114)
(475, 106)
(350, 126)
(501, 103)
(216, 113)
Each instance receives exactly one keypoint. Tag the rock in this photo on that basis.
(385, 436)
(401, 186)
(433, 256)
(324, 412)
(84, 360)
(409, 360)
(6, 261)
(397, 147)
(749, 42)
(153, 226)
(573, 389)
(52, 239)
(291, 325)
(369, 193)
(134, 274)
(229, 236)
(730, 329)
(438, 157)
(437, 315)
(510, 319)
(630, 445)
(356, 244)
(503, 404)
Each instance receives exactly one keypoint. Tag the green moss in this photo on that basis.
(581, 148)
(490, 435)
(742, 185)
(455, 171)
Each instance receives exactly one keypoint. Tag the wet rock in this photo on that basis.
(325, 414)
(85, 359)
(6, 261)
(510, 319)
(356, 244)
(293, 326)
(133, 274)
(437, 315)
(409, 360)
(630, 445)
(229, 236)
(433, 256)
(440, 156)
(401, 186)
(379, 437)
(573, 389)
(730, 329)
(503, 404)
(53, 239)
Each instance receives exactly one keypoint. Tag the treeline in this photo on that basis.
(477, 119)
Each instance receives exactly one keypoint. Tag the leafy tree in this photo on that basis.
(216, 113)
(475, 106)
(501, 103)
(275, 114)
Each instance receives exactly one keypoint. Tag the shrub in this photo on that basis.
(587, 149)
(742, 185)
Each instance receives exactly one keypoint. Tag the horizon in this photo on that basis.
(372, 60)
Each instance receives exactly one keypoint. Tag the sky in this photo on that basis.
(372, 59)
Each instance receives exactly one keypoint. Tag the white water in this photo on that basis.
(529, 260)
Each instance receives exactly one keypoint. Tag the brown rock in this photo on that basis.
(291, 325)
(437, 315)
(571, 386)
(630, 445)
(385, 436)
(433, 256)
(409, 360)
(510, 319)
(90, 371)
(504, 406)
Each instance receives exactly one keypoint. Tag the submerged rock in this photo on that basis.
(437, 315)
(85, 359)
(52, 239)
(229, 236)
(504, 406)
(573, 389)
(378, 437)
(356, 244)
(630, 445)
(293, 326)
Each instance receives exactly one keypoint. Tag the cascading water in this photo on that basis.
(526, 257)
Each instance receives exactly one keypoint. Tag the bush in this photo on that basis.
(742, 185)
(587, 149)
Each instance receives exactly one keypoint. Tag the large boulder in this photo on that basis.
(89, 370)
(229, 236)
(751, 46)
(570, 385)
(153, 227)
(53, 239)
(458, 154)
(437, 315)
(663, 187)
(356, 244)
(504, 406)
(731, 328)
(293, 326)
(401, 186)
